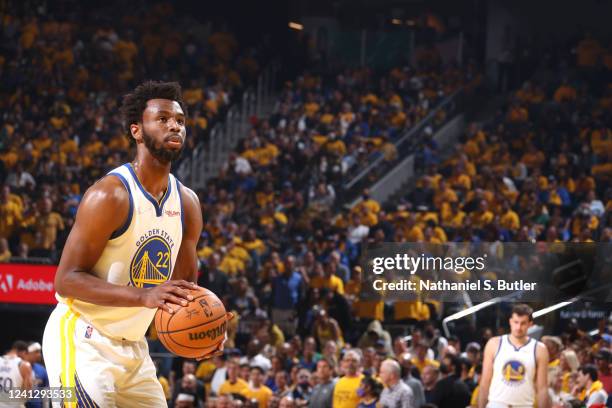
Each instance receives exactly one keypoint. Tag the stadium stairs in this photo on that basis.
(208, 157)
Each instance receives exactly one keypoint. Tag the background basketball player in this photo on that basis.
(515, 367)
(15, 372)
(132, 249)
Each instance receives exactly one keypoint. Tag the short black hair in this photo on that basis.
(134, 103)
(589, 369)
(20, 345)
(522, 309)
(375, 385)
(327, 361)
(258, 368)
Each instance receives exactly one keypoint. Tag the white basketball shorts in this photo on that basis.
(104, 372)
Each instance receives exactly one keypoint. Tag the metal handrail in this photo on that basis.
(471, 310)
(409, 133)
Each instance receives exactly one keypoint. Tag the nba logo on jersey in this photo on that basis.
(151, 263)
(513, 372)
(88, 332)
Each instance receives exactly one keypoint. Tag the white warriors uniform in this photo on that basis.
(514, 372)
(10, 377)
(101, 350)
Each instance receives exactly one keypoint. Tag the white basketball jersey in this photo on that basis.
(10, 377)
(514, 371)
(141, 254)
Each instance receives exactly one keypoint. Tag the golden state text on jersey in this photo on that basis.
(151, 264)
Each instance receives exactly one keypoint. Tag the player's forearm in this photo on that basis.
(483, 395)
(91, 289)
(542, 397)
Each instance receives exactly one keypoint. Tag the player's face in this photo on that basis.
(163, 129)
(519, 325)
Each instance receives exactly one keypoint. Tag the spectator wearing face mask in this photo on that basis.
(369, 391)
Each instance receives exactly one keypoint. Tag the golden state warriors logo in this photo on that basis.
(513, 372)
(151, 264)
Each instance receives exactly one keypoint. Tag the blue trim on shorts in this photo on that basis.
(83, 399)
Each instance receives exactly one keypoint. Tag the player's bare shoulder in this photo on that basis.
(107, 201)
(492, 346)
(541, 351)
(110, 190)
(494, 342)
(189, 197)
(191, 203)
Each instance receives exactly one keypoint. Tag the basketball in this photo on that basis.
(195, 329)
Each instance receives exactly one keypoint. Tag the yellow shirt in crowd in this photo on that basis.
(235, 388)
(262, 394)
(345, 392)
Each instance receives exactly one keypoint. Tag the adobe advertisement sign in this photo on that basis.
(28, 284)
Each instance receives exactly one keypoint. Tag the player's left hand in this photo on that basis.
(219, 350)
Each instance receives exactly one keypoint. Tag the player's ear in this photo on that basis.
(135, 130)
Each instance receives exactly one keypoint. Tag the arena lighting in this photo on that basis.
(396, 21)
(296, 26)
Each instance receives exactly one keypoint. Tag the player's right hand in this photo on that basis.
(168, 293)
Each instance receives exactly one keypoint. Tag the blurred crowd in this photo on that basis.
(63, 74)
(539, 171)
(421, 370)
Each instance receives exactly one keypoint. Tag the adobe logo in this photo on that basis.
(6, 283)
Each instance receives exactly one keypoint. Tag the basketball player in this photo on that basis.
(515, 367)
(15, 373)
(132, 250)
